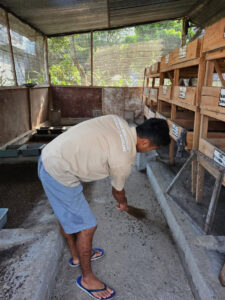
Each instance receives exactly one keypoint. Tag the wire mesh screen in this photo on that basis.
(6, 73)
(120, 56)
(70, 59)
(28, 50)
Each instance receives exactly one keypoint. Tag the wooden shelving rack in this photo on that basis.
(197, 109)
(181, 66)
(211, 155)
(151, 90)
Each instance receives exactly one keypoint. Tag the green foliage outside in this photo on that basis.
(70, 56)
(119, 56)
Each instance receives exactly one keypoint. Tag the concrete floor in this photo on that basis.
(141, 261)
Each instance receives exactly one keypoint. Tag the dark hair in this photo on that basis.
(156, 130)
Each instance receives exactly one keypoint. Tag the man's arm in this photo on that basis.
(121, 199)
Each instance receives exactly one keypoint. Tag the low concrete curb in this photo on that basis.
(30, 258)
(199, 253)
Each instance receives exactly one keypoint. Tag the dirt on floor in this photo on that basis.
(141, 261)
(20, 190)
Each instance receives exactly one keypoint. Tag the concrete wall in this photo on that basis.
(39, 106)
(17, 113)
(23, 109)
(78, 102)
(121, 101)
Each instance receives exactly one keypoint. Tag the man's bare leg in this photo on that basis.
(71, 241)
(89, 280)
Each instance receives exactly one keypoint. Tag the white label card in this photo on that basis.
(219, 157)
(167, 57)
(153, 92)
(182, 51)
(222, 97)
(182, 92)
(175, 130)
(164, 90)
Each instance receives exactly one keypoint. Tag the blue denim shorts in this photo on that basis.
(68, 203)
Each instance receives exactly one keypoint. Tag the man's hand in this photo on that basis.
(122, 206)
(121, 199)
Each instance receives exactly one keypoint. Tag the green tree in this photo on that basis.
(70, 56)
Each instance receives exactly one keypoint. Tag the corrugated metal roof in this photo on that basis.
(56, 17)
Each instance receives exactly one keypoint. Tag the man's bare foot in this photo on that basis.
(96, 255)
(92, 283)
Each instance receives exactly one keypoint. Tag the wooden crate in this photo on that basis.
(214, 36)
(155, 68)
(189, 52)
(213, 99)
(165, 92)
(214, 148)
(161, 116)
(165, 62)
(148, 113)
(154, 94)
(177, 126)
(185, 94)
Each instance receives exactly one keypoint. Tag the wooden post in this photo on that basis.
(184, 31)
(196, 168)
(29, 108)
(46, 60)
(159, 106)
(200, 169)
(195, 144)
(50, 98)
(91, 58)
(209, 73)
(11, 48)
(171, 153)
(153, 82)
(161, 78)
(173, 114)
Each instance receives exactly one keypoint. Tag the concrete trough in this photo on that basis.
(10, 151)
(42, 138)
(31, 149)
(55, 130)
(3, 217)
(43, 130)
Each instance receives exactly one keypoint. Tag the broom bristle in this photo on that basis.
(138, 213)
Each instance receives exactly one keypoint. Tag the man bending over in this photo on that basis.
(93, 150)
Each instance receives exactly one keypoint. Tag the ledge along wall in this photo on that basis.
(21, 109)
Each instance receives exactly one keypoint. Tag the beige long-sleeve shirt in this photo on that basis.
(92, 150)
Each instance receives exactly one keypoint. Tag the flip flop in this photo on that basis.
(90, 292)
(94, 250)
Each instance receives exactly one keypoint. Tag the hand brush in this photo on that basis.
(136, 212)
